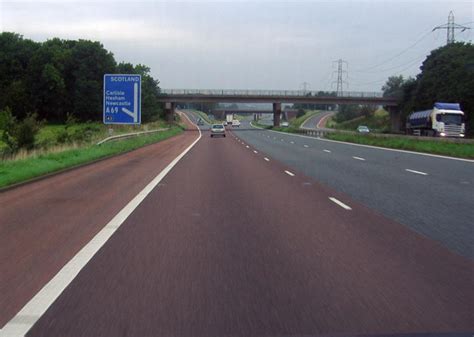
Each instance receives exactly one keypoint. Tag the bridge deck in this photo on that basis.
(274, 96)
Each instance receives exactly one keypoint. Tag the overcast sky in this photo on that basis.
(254, 44)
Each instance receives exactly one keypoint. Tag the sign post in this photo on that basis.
(122, 99)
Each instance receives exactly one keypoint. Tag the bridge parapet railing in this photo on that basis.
(244, 92)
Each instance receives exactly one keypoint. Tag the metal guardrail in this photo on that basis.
(128, 135)
(270, 93)
(322, 132)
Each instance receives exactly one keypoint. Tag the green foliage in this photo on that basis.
(16, 134)
(379, 121)
(447, 75)
(427, 146)
(21, 170)
(61, 77)
(24, 132)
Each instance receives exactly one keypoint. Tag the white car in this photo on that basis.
(217, 130)
(235, 123)
(363, 129)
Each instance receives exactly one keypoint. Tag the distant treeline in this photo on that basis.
(447, 75)
(60, 78)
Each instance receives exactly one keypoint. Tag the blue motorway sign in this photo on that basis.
(122, 99)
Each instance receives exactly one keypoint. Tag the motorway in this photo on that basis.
(249, 235)
(429, 194)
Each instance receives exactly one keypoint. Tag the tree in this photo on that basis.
(447, 75)
(393, 87)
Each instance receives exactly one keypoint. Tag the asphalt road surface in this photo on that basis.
(235, 243)
(45, 223)
(431, 195)
(317, 121)
(232, 244)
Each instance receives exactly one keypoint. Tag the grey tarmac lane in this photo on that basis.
(439, 205)
(230, 245)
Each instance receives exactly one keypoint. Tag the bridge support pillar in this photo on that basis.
(395, 118)
(276, 114)
(169, 111)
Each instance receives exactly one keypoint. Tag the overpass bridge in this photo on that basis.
(171, 97)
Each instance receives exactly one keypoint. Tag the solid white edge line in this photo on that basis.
(358, 158)
(266, 159)
(340, 203)
(417, 172)
(369, 146)
(289, 173)
(22, 322)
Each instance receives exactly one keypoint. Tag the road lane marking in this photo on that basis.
(358, 158)
(247, 147)
(289, 173)
(266, 159)
(292, 142)
(327, 151)
(340, 203)
(370, 146)
(22, 322)
(255, 151)
(417, 172)
(282, 140)
(305, 145)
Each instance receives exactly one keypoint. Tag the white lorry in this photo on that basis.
(229, 118)
(444, 120)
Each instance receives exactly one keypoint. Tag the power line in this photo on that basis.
(418, 59)
(450, 27)
(396, 55)
(378, 81)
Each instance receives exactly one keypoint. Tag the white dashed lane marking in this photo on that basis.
(358, 158)
(327, 151)
(417, 172)
(289, 173)
(340, 203)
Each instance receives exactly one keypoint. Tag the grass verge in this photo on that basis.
(379, 121)
(459, 150)
(426, 146)
(13, 172)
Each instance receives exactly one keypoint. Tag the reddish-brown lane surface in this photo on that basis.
(45, 223)
(230, 245)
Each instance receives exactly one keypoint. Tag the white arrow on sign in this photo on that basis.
(133, 113)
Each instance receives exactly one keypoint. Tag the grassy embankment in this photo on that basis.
(379, 121)
(31, 166)
(293, 126)
(445, 148)
(460, 150)
(205, 117)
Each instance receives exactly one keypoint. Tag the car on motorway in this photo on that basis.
(235, 123)
(217, 130)
(363, 129)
